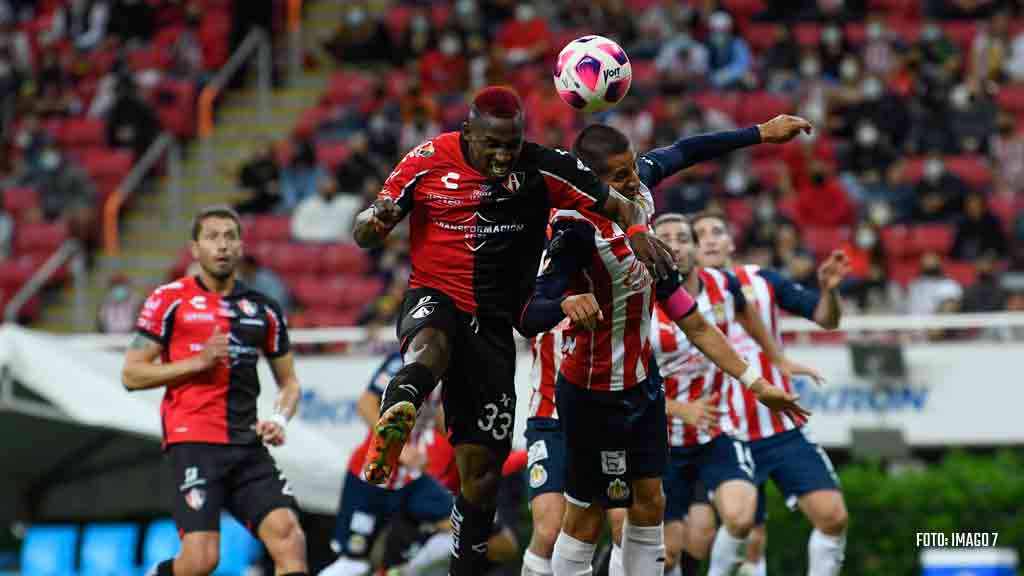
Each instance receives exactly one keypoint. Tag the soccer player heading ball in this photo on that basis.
(478, 202)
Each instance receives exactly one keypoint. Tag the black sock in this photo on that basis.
(413, 383)
(688, 564)
(471, 526)
(165, 568)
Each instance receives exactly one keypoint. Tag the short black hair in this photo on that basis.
(673, 217)
(218, 211)
(710, 215)
(596, 143)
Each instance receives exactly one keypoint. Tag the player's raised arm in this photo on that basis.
(395, 199)
(829, 311)
(632, 218)
(549, 305)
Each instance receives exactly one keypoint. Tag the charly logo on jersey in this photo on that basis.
(247, 307)
(480, 228)
(618, 490)
(198, 302)
(719, 311)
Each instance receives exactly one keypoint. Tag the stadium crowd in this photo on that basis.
(915, 167)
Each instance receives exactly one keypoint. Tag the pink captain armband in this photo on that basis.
(678, 304)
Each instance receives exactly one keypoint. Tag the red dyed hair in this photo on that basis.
(498, 101)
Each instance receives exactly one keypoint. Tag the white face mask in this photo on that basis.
(865, 239)
(525, 12)
(874, 31)
(356, 17)
(934, 169)
(735, 182)
(867, 135)
(930, 33)
(830, 36)
(872, 88)
(960, 97)
(449, 46)
(50, 159)
(848, 69)
(810, 68)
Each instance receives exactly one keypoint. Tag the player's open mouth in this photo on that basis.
(499, 170)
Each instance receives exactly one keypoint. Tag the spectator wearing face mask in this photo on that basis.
(301, 177)
(972, 119)
(867, 283)
(66, 193)
(832, 48)
(360, 38)
(932, 292)
(526, 38)
(940, 193)
(978, 232)
(131, 122)
(881, 47)
(886, 111)
(822, 200)
(871, 153)
(120, 307)
(444, 70)
(682, 63)
(767, 220)
(781, 61)
(729, 61)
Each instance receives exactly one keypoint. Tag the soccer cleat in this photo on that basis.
(389, 436)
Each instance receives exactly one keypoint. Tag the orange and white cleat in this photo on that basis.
(389, 436)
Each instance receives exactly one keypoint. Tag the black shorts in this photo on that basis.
(209, 477)
(479, 391)
(610, 440)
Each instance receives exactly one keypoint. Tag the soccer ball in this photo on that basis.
(592, 73)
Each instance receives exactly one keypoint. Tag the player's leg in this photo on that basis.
(577, 540)
(616, 520)
(426, 501)
(259, 495)
(362, 512)
(544, 492)
(804, 474)
(756, 564)
(425, 329)
(729, 473)
(643, 533)
(701, 528)
(479, 408)
(195, 471)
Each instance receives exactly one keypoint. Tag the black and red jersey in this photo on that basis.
(217, 406)
(479, 240)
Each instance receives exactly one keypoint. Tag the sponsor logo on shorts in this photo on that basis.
(618, 490)
(423, 308)
(192, 478)
(195, 498)
(538, 476)
(613, 462)
(538, 451)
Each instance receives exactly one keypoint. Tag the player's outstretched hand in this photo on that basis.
(215, 349)
(385, 214)
(833, 270)
(654, 253)
(270, 432)
(779, 400)
(583, 310)
(790, 369)
(703, 413)
(783, 128)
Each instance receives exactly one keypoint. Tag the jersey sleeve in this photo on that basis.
(277, 343)
(660, 163)
(156, 319)
(400, 186)
(567, 254)
(736, 289)
(570, 184)
(385, 372)
(792, 297)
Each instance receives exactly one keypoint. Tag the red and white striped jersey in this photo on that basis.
(756, 420)
(615, 355)
(689, 375)
(547, 359)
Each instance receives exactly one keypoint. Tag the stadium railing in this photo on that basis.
(72, 253)
(1000, 322)
(295, 52)
(256, 45)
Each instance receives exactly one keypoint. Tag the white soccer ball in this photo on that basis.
(592, 73)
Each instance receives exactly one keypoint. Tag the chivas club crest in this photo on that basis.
(618, 490)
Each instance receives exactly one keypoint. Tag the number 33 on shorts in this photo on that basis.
(496, 420)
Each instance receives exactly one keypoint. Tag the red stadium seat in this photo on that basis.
(895, 241)
(82, 133)
(644, 73)
(965, 273)
(332, 155)
(1011, 98)
(907, 29)
(20, 199)
(767, 170)
(332, 317)
(1005, 208)
(931, 238)
(41, 237)
(903, 271)
(269, 228)
(724, 102)
(311, 292)
(740, 213)
(175, 107)
(397, 20)
(292, 258)
(14, 273)
(973, 169)
(759, 107)
(759, 35)
(744, 9)
(337, 259)
(961, 32)
(822, 241)
(808, 34)
(357, 292)
(440, 12)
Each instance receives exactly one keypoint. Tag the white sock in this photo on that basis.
(726, 553)
(343, 566)
(572, 557)
(643, 549)
(759, 568)
(825, 554)
(676, 571)
(435, 550)
(615, 565)
(534, 565)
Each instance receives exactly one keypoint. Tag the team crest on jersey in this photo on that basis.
(195, 498)
(618, 490)
(426, 150)
(538, 476)
(247, 307)
(514, 181)
(719, 311)
(748, 292)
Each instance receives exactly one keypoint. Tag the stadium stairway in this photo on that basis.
(151, 241)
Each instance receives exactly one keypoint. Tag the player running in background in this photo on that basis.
(780, 447)
(702, 437)
(200, 337)
(478, 202)
(609, 153)
(613, 418)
